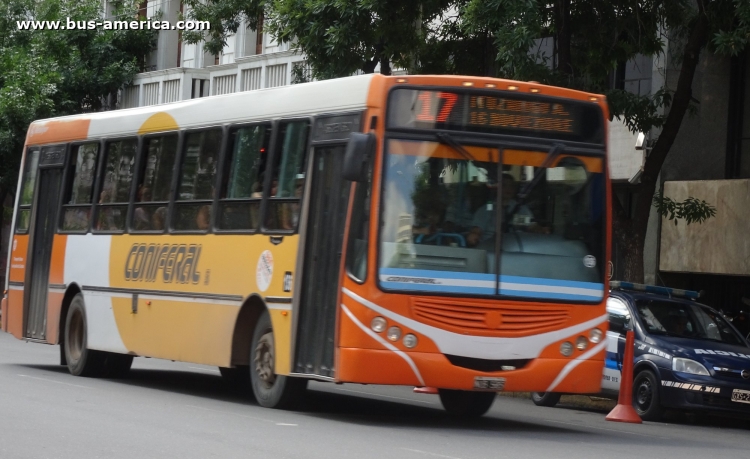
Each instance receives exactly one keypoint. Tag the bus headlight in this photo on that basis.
(410, 340)
(378, 324)
(566, 349)
(582, 343)
(596, 336)
(394, 333)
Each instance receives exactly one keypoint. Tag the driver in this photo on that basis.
(484, 223)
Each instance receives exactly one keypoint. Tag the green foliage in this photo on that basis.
(691, 210)
(45, 73)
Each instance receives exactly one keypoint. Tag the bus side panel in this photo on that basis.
(57, 288)
(16, 276)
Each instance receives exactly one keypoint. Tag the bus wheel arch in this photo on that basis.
(252, 308)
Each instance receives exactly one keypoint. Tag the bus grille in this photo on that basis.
(489, 319)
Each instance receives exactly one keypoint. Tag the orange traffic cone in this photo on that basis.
(426, 390)
(624, 411)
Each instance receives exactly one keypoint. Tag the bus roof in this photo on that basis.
(319, 97)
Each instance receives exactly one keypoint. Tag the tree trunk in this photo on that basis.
(563, 34)
(631, 232)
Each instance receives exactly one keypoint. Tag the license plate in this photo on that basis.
(741, 396)
(487, 383)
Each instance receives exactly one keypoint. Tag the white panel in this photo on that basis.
(87, 260)
(171, 91)
(151, 94)
(276, 75)
(251, 79)
(624, 160)
(224, 84)
(102, 333)
(130, 96)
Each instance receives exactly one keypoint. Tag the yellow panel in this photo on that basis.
(282, 332)
(175, 330)
(158, 122)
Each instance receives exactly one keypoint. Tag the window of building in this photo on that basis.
(288, 176)
(154, 182)
(195, 190)
(28, 184)
(245, 166)
(79, 192)
(119, 165)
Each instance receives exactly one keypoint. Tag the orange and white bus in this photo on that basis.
(440, 231)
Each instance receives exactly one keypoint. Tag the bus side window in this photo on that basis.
(119, 164)
(288, 176)
(244, 172)
(154, 183)
(27, 190)
(79, 191)
(195, 190)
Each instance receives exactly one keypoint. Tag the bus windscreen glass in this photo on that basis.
(510, 114)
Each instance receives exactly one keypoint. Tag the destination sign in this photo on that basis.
(513, 114)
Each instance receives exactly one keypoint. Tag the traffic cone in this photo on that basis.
(624, 411)
(426, 390)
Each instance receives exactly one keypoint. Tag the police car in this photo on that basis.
(687, 356)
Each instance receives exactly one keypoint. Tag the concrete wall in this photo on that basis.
(718, 246)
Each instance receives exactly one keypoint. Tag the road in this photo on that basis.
(180, 410)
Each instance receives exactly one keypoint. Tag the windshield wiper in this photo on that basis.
(451, 142)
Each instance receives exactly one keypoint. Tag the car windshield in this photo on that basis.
(686, 320)
(452, 222)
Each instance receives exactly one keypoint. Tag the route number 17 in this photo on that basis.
(431, 102)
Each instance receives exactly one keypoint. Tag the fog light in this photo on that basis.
(566, 349)
(394, 333)
(595, 336)
(582, 343)
(378, 324)
(410, 340)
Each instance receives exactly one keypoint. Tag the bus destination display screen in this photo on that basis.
(512, 114)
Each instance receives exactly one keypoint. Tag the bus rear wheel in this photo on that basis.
(81, 360)
(271, 390)
(466, 404)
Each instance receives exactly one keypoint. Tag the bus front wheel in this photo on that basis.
(466, 403)
(271, 390)
(81, 360)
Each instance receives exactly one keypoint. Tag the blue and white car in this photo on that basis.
(687, 356)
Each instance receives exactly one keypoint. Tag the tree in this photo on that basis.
(592, 38)
(46, 73)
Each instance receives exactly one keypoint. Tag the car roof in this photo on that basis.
(632, 296)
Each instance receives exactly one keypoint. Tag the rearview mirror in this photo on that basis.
(357, 154)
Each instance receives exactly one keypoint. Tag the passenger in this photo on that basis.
(159, 218)
(203, 218)
(141, 220)
(484, 223)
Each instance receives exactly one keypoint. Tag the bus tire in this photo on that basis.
(466, 404)
(270, 389)
(81, 360)
(117, 366)
(646, 400)
(545, 398)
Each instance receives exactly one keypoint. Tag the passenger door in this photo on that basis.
(323, 242)
(44, 212)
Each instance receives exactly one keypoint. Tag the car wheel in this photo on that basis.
(545, 398)
(465, 403)
(646, 399)
(271, 390)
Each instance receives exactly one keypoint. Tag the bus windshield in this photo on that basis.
(467, 219)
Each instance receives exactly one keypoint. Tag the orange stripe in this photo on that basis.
(60, 130)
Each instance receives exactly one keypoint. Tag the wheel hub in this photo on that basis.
(75, 336)
(264, 359)
(643, 395)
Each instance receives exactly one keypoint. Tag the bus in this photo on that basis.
(447, 232)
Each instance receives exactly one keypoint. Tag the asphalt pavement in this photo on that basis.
(180, 410)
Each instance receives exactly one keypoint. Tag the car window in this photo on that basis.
(686, 320)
